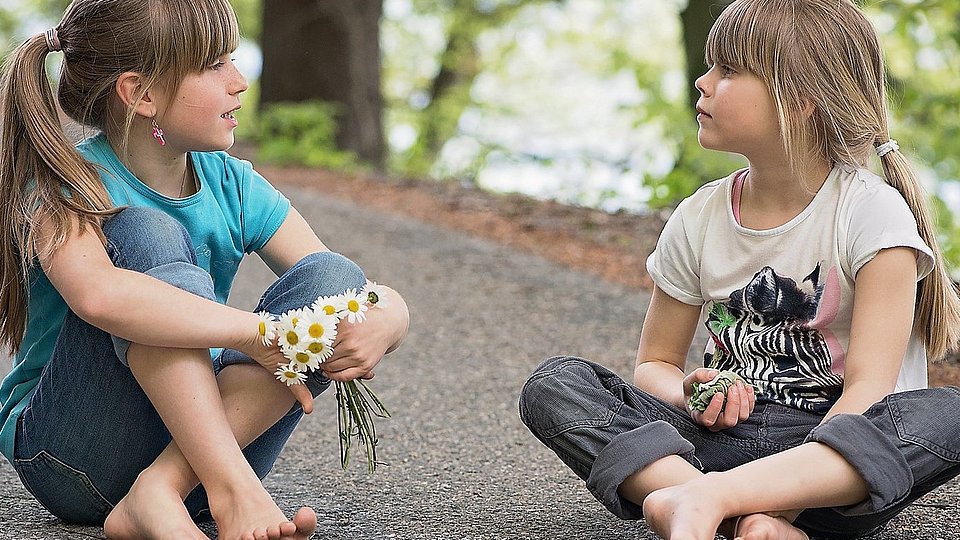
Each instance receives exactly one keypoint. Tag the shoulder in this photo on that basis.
(864, 190)
(710, 200)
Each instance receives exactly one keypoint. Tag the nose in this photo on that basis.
(701, 84)
(240, 83)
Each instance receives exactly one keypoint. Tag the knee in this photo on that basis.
(140, 238)
(554, 389)
(332, 273)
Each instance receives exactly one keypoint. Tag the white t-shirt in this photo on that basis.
(778, 302)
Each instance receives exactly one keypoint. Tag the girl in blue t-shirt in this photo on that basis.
(117, 259)
(822, 289)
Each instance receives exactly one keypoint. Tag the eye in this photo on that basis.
(217, 65)
(726, 70)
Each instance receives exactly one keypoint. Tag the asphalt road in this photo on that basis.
(461, 465)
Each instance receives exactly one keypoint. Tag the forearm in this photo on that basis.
(857, 398)
(145, 310)
(660, 379)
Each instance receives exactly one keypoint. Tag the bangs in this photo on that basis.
(749, 36)
(198, 32)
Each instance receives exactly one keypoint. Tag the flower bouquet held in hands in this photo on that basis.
(306, 337)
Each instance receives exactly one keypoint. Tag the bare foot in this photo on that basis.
(253, 515)
(151, 510)
(764, 527)
(682, 513)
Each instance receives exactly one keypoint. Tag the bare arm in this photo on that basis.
(359, 348)
(883, 307)
(668, 330)
(136, 306)
(667, 333)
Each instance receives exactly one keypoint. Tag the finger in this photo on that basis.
(745, 406)
(712, 413)
(731, 413)
(368, 376)
(303, 396)
(348, 374)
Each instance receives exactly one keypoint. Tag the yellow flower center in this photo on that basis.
(290, 374)
(294, 320)
(315, 347)
(292, 338)
(303, 358)
(329, 310)
(316, 330)
(372, 297)
(263, 328)
(353, 306)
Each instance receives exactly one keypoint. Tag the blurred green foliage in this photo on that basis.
(429, 82)
(302, 133)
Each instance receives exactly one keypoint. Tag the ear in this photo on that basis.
(808, 108)
(132, 95)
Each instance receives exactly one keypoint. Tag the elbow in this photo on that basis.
(94, 307)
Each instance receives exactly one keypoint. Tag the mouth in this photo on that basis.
(703, 112)
(228, 116)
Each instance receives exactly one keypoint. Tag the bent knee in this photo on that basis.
(563, 389)
(139, 238)
(336, 272)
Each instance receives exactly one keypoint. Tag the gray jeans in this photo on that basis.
(606, 429)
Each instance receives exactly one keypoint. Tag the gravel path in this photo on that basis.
(461, 466)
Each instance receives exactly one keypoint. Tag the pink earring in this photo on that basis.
(158, 134)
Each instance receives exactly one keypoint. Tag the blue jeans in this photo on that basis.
(605, 430)
(89, 429)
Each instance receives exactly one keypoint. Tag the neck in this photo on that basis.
(163, 169)
(773, 194)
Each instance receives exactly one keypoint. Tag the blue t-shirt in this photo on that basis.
(234, 212)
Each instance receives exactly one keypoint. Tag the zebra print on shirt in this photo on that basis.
(762, 332)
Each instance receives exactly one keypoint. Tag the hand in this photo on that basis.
(723, 411)
(270, 358)
(359, 347)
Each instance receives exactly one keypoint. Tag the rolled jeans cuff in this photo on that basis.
(181, 275)
(874, 456)
(626, 454)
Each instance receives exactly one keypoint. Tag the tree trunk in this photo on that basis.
(696, 19)
(328, 50)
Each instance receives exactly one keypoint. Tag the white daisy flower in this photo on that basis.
(304, 361)
(329, 305)
(317, 326)
(267, 328)
(289, 320)
(375, 294)
(356, 306)
(320, 350)
(288, 375)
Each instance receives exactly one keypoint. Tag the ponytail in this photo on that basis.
(937, 317)
(40, 173)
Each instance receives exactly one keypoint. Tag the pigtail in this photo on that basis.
(40, 173)
(937, 316)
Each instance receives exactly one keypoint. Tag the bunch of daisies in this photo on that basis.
(306, 337)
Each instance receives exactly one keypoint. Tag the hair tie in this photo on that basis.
(887, 147)
(53, 40)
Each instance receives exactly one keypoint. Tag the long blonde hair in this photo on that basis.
(41, 173)
(825, 53)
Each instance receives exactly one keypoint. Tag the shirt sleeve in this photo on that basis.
(881, 219)
(674, 265)
(262, 208)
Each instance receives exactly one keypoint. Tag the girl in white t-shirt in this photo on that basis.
(823, 291)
